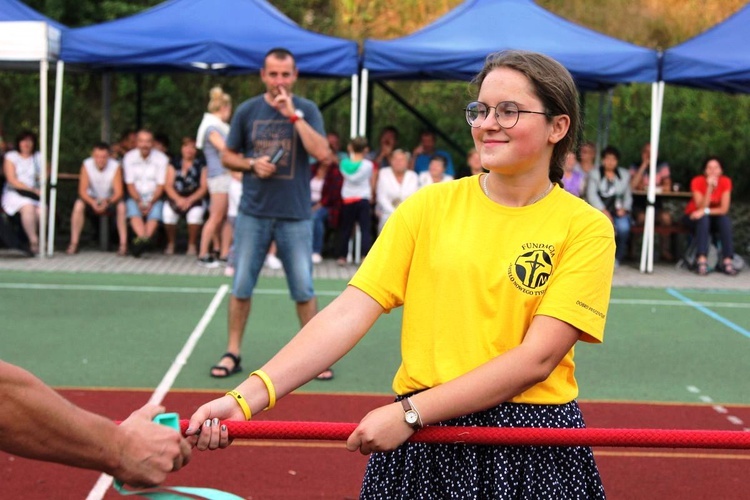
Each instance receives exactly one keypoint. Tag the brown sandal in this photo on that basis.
(72, 249)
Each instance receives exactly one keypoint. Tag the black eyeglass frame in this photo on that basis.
(497, 118)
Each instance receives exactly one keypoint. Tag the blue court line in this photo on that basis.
(708, 312)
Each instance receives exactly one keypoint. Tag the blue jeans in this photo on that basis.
(253, 236)
(622, 235)
(704, 227)
(319, 218)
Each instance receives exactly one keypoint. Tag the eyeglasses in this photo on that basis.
(506, 113)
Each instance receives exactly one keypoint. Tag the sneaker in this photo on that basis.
(317, 258)
(273, 262)
(139, 246)
(208, 262)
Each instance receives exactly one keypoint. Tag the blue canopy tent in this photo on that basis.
(217, 36)
(30, 40)
(456, 45)
(716, 59)
(227, 36)
(713, 60)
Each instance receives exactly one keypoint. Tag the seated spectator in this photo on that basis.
(161, 143)
(186, 187)
(22, 169)
(100, 193)
(639, 179)
(473, 165)
(335, 142)
(386, 144)
(436, 172)
(586, 163)
(708, 212)
(145, 171)
(395, 184)
(125, 144)
(325, 195)
(355, 194)
(573, 180)
(608, 189)
(422, 154)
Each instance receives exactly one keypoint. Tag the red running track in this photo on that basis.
(303, 469)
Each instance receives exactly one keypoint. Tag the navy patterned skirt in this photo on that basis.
(448, 471)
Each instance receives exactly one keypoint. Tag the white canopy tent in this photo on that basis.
(25, 44)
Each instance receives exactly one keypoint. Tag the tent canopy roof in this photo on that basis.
(455, 46)
(26, 35)
(229, 36)
(716, 59)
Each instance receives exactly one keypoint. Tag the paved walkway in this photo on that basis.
(91, 261)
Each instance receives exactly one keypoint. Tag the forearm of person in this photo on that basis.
(134, 195)
(117, 191)
(314, 143)
(217, 141)
(635, 181)
(84, 195)
(723, 208)
(324, 340)
(506, 376)
(235, 161)
(36, 422)
(384, 201)
(158, 192)
(199, 194)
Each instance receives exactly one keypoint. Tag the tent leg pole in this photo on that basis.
(43, 98)
(55, 156)
(354, 107)
(363, 97)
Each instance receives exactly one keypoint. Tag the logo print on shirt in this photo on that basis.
(532, 269)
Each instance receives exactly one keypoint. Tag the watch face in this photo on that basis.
(411, 417)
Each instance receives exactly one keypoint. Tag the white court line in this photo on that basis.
(105, 480)
(146, 289)
(678, 303)
(717, 408)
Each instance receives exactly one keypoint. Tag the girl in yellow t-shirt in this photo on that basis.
(499, 276)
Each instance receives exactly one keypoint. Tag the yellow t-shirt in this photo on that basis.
(472, 274)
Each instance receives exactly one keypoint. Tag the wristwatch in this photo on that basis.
(298, 114)
(707, 211)
(411, 415)
(251, 164)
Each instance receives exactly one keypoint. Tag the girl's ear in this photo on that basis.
(560, 125)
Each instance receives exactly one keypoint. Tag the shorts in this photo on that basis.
(134, 211)
(422, 470)
(253, 237)
(194, 214)
(219, 184)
